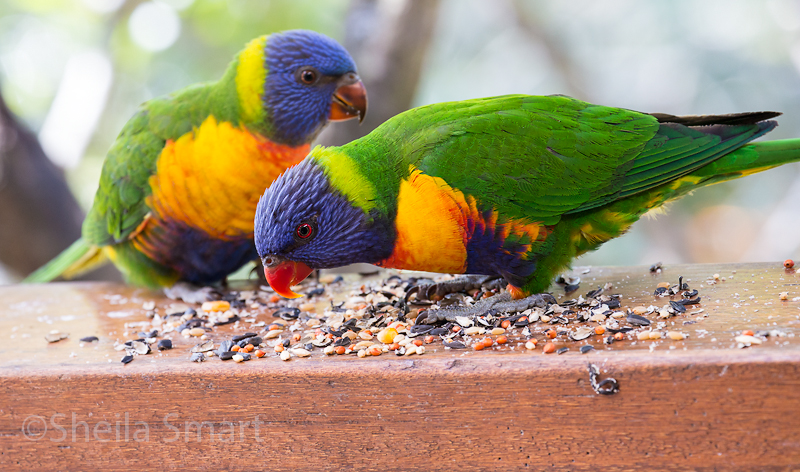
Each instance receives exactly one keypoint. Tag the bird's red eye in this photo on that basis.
(308, 76)
(304, 231)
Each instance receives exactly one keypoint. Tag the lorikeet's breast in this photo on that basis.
(441, 229)
(204, 197)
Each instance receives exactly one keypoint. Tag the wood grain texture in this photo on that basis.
(701, 403)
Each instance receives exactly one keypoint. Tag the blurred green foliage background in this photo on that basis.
(75, 70)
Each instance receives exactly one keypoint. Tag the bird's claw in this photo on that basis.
(499, 303)
(434, 292)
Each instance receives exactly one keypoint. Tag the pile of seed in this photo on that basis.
(376, 319)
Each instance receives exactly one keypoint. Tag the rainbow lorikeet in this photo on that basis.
(514, 186)
(180, 185)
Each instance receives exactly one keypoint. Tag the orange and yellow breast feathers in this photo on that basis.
(212, 178)
(436, 227)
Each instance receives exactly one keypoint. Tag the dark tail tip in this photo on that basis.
(729, 119)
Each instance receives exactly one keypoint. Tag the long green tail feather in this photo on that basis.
(80, 257)
(755, 157)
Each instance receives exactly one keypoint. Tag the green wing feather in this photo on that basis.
(540, 158)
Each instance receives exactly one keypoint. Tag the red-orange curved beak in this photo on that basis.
(284, 274)
(349, 101)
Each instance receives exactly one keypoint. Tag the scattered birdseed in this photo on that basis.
(608, 386)
(219, 305)
(55, 336)
(387, 335)
(747, 340)
(639, 310)
(202, 347)
(581, 333)
(637, 320)
(300, 352)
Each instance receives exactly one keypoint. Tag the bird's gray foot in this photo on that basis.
(502, 303)
(437, 291)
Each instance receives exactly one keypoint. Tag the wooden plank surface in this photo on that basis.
(699, 403)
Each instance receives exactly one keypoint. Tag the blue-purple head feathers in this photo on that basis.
(299, 111)
(343, 233)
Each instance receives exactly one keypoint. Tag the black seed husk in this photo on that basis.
(164, 344)
(677, 306)
(224, 346)
(343, 341)
(562, 350)
(637, 320)
(227, 355)
(127, 359)
(586, 348)
(90, 339)
(287, 313)
(239, 337)
(693, 301)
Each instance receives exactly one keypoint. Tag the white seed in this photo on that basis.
(363, 345)
(473, 330)
(329, 350)
(238, 358)
(464, 322)
(530, 345)
(498, 331)
(300, 352)
(676, 335)
(197, 332)
(745, 339)
(366, 335)
(273, 333)
(598, 317)
(285, 355)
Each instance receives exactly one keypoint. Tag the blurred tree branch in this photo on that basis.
(389, 41)
(39, 215)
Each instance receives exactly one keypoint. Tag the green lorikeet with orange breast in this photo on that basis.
(514, 186)
(180, 185)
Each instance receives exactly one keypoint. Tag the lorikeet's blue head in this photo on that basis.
(304, 223)
(310, 79)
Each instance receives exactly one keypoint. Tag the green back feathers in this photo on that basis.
(530, 157)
